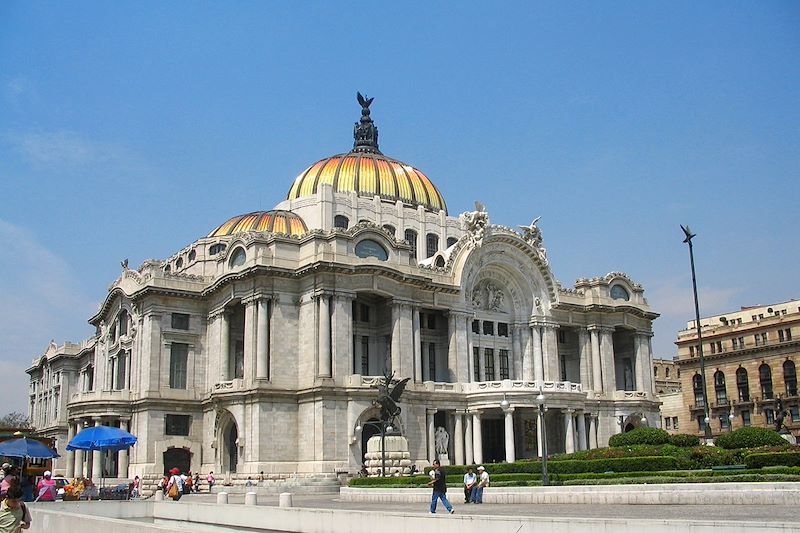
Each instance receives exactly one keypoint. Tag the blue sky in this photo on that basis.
(129, 129)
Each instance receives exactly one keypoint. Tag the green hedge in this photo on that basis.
(684, 440)
(640, 436)
(402, 481)
(760, 460)
(750, 437)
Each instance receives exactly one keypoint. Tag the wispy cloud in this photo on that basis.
(40, 300)
(67, 149)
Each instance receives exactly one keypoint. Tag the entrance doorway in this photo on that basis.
(179, 458)
(231, 448)
(367, 431)
(494, 440)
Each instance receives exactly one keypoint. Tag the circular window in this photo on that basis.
(192, 255)
(237, 257)
(618, 292)
(370, 248)
(179, 263)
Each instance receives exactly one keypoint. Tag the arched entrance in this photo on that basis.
(179, 458)
(370, 429)
(230, 448)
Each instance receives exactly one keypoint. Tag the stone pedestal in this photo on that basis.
(397, 457)
(444, 459)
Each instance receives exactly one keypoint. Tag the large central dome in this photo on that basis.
(366, 171)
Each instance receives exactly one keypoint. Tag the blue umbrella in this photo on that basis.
(25, 447)
(102, 438)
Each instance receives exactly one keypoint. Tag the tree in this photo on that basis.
(15, 420)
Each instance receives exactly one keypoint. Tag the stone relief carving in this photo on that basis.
(495, 302)
(475, 223)
(487, 295)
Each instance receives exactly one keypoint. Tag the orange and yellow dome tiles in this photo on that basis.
(275, 221)
(369, 174)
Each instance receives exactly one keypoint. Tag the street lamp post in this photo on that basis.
(540, 402)
(383, 426)
(688, 240)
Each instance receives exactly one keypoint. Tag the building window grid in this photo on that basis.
(746, 418)
(489, 363)
(179, 354)
(742, 385)
(790, 377)
(719, 388)
(365, 355)
(432, 361)
(504, 364)
(765, 379)
(488, 327)
(476, 362)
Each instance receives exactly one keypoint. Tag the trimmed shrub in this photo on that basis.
(750, 437)
(620, 464)
(640, 436)
(760, 460)
(684, 440)
(402, 481)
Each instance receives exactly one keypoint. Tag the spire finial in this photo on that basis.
(365, 133)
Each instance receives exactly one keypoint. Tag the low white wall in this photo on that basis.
(670, 494)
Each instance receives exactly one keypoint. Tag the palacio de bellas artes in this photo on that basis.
(259, 346)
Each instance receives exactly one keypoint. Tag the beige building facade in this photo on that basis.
(256, 347)
(751, 357)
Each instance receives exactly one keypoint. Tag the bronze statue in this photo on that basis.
(780, 414)
(388, 399)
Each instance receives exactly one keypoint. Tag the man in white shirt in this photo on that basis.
(483, 482)
(469, 481)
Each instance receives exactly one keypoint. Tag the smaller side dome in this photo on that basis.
(275, 221)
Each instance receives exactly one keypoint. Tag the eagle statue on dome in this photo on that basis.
(364, 101)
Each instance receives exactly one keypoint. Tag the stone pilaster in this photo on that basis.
(459, 437)
(324, 336)
(468, 442)
(509, 434)
(477, 436)
(538, 364)
(431, 442)
(70, 470)
(97, 460)
(122, 458)
(417, 338)
(581, 420)
(597, 366)
(569, 438)
(262, 339)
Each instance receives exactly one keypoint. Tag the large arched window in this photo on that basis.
(618, 292)
(790, 378)
(341, 221)
(697, 387)
(742, 384)
(765, 378)
(719, 388)
(431, 244)
(411, 237)
(370, 248)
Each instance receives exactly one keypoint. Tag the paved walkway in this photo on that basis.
(737, 513)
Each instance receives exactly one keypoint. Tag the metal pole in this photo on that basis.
(545, 478)
(688, 240)
(383, 449)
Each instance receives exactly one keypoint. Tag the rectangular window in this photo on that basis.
(745, 417)
(180, 321)
(788, 334)
(724, 422)
(780, 335)
(674, 422)
(562, 336)
(770, 414)
(764, 338)
(719, 346)
(365, 356)
(502, 329)
(757, 339)
(431, 321)
(504, 364)
(476, 362)
(119, 378)
(178, 358)
(795, 412)
(667, 423)
(741, 343)
(177, 425)
(489, 363)
(701, 423)
(476, 326)
(735, 344)
(432, 361)
(488, 327)
(691, 351)
(713, 347)
(364, 313)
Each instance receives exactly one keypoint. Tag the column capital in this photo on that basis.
(643, 333)
(402, 302)
(539, 322)
(509, 409)
(431, 410)
(568, 410)
(459, 314)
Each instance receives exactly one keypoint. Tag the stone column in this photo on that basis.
(262, 339)
(431, 439)
(225, 346)
(516, 352)
(593, 431)
(342, 356)
(249, 340)
(452, 347)
(509, 434)
(459, 437)
(581, 419)
(540, 435)
(569, 439)
(538, 367)
(324, 361)
(78, 453)
(477, 437)
(417, 345)
(122, 471)
(70, 455)
(397, 340)
(551, 362)
(597, 373)
(644, 365)
(469, 455)
(97, 460)
(585, 351)
(607, 358)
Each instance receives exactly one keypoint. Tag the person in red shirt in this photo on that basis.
(46, 488)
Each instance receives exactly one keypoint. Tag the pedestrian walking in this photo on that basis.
(439, 483)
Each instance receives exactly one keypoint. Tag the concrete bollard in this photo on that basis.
(251, 498)
(222, 498)
(285, 499)
(159, 495)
